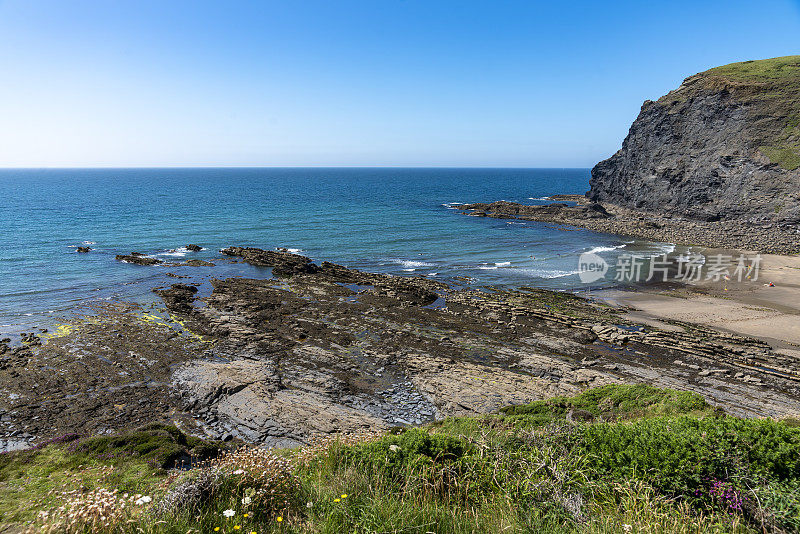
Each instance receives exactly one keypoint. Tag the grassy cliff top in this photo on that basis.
(770, 89)
(784, 69)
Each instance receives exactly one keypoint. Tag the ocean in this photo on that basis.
(393, 220)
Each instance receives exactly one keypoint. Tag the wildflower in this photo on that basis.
(394, 448)
(309, 504)
(337, 500)
(247, 515)
(246, 500)
(143, 500)
(627, 527)
(229, 513)
(236, 527)
(238, 472)
(216, 529)
(279, 519)
(344, 495)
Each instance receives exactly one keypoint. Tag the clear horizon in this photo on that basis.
(354, 83)
(55, 167)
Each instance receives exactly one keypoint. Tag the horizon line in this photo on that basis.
(67, 167)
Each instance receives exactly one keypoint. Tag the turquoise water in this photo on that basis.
(389, 220)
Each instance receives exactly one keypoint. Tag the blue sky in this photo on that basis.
(338, 82)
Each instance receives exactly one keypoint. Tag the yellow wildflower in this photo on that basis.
(344, 495)
(336, 500)
(279, 519)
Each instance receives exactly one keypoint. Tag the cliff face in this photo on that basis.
(724, 145)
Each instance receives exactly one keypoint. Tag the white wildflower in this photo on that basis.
(246, 500)
(143, 500)
(394, 448)
(238, 472)
(229, 513)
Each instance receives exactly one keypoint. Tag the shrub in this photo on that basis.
(164, 445)
(781, 504)
(688, 456)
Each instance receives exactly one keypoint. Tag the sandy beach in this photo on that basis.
(752, 308)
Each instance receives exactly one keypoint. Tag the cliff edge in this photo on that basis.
(725, 145)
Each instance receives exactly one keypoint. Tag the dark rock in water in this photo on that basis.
(725, 145)
(193, 248)
(178, 298)
(282, 263)
(549, 212)
(197, 263)
(83, 250)
(137, 258)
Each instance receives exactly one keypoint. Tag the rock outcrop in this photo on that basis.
(725, 145)
(283, 360)
(137, 258)
(282, 263)
(554, 212)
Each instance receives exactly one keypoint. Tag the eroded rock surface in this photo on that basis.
(764, 236)
(327, 349)
(338, 350)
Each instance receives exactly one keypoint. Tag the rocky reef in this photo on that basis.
(578, 211)
(321, 348)
(723, 146)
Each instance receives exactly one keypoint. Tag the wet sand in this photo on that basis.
(751, 308)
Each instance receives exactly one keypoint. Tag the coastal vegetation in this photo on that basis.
(777, 92)
(619, 458)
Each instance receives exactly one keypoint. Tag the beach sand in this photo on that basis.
(751, 308)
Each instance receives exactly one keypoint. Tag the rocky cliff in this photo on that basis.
(724, 145)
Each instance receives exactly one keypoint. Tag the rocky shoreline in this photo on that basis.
(320, 348)
(577, 210)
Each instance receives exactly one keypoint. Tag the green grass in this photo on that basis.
(30, 482)
(772, 88)
(774, 69)
(615, 402)
(131, 462)
(612, 459)
(788, 158)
